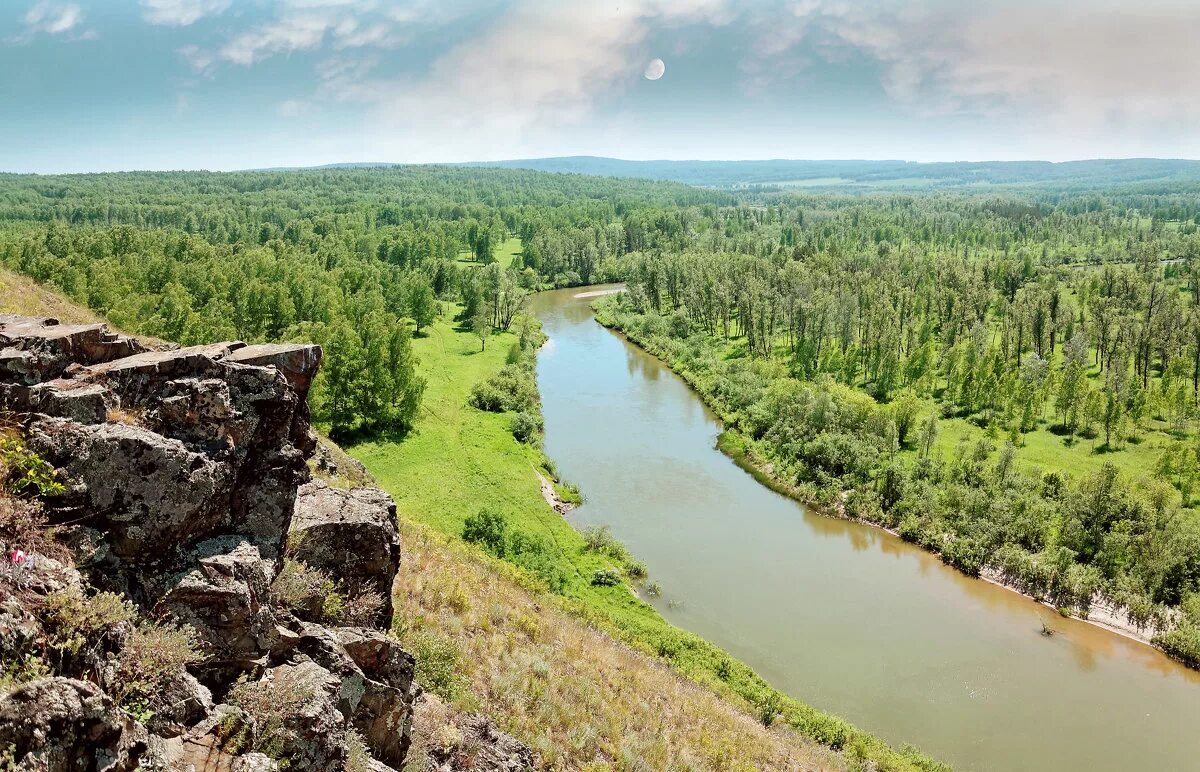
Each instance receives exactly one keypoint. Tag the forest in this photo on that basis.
(1009, 378)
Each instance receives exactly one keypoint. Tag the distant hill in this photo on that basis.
(872, 174)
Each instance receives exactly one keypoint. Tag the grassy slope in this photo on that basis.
(20, 295)
(578, 698)
(458, 460)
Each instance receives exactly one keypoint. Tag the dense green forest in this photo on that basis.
(1008, 378)
(353, 259)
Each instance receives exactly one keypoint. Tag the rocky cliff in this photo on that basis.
(255, 602)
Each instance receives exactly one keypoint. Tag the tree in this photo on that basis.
(1072, 391)
(344, 363)
(905, 409)
(481, 325)
(420, 302)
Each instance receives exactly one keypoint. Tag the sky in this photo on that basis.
(234, 84)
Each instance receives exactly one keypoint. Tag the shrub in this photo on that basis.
(77, 619)
(153, 656)
(306, 591)
(1182, 643)
(314, 595)
(514, 387)
(606, 577)
(361, 609)
(489, 530)
(526, 426)
(438, 660)
(269, 703)
(23, 526)
(25, 473)
(358, 756)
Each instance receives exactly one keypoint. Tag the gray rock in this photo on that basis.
(167, 494)
(376, 695)
(63, 724)
(225, 598)
(351, 534)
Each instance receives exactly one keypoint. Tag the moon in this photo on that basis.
(655, 69)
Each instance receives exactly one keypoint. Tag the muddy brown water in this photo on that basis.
(843, 616)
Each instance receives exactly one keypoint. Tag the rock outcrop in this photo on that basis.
(184, 473)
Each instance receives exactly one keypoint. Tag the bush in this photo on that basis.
(77, 619)
(489, 530)
(269, 703)
(24, 473)
(314, 595)
(526, 426)
(514, 387)
(438, 660)
(1182, 643)
(153, 656)
(606, 577)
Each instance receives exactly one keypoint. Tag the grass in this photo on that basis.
(576, 697)
(507, 253)
(458, 460)
(22, 295)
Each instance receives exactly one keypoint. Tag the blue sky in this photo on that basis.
(227, 84)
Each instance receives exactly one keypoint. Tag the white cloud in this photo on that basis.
(293, 108)
(181, 13)
(1056, 63)
(540, 69)
(52, 17)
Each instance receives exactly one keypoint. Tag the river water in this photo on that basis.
(840, 615)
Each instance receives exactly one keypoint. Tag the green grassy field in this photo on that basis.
(506, 254)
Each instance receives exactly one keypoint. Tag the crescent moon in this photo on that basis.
(655, 69)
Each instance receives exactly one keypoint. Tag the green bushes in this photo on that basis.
(514, 387)
(526, 427)
(606, 577)
(492, 531)
(438, 660)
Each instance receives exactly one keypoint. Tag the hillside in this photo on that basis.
(22, 295)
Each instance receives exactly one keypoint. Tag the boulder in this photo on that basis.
(64, 724)
(186, 701)
(50, 347)
(298, 362)
(298, 704)
(168, 494)
(225, 598)
(375, 687)
(351, 534)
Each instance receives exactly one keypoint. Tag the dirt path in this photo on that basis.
(551, 496)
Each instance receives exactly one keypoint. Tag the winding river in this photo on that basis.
(841, 615)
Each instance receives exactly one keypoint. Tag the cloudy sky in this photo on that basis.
(226, 84)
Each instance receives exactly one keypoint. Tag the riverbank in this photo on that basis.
(1101, 612)
(458, 460)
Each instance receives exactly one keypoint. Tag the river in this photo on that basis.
(840, 615)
